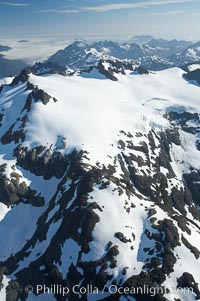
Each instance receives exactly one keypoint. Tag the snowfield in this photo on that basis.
(91, 112)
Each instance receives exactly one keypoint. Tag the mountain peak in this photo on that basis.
(80, 43)
(140, 39)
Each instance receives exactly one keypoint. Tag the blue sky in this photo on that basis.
(103, 18)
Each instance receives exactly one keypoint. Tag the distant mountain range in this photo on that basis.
(156, 54)
(144, 50)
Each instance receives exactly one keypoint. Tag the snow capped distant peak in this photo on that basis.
(80, 43)
(193, 67)
(190, 55)
(140, 39)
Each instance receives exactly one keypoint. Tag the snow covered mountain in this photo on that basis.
(189, 55)
(80, 55)
(100, 184)
(167, 48)
(140, 39)
(157, 54)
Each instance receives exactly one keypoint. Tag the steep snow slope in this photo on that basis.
(102, 181)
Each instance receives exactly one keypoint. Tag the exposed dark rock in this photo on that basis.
(182, 223)
(22, 77)
(193, 249)
(187, 281)
(48, 164)
(193, 182)
(142, 70)
(173, 136)
(14, 191)
(182, 118)
(177, 197)
(12, 291)
(36, 95)
(171, 233)
(121, 237)
(48, 68)
(193, 75)
(107, 73)
(16, 136)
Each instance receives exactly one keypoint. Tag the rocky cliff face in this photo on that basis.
(100, 185)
